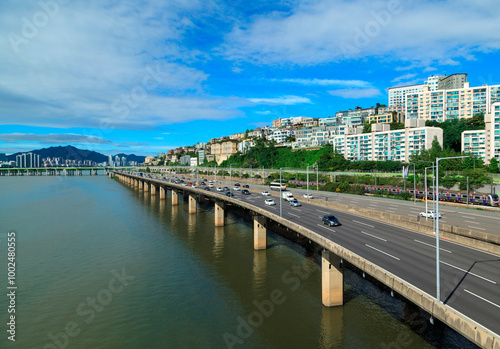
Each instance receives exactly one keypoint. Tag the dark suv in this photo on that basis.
(245, 192)
(330, 220)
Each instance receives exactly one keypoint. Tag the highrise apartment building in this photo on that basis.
(442, 105)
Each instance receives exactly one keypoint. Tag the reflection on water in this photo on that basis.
(259, 272)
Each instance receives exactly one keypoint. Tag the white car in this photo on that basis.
(210, 185)
(430, 214)
(269, 202)
(219, 189)
(308, 196)
(266, 193)
(236, 188)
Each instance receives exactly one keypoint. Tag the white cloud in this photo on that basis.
(327, 82)
(284, 100)
(355, 93)
(322, 31)
(265, 112)
(404, 77)
(428, 69)
(103, 65)
(52, 138)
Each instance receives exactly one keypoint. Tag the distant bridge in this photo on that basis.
(57, 171)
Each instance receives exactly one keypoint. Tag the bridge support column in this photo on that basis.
(162, 192)
(175, 198)
(141, 185)
(192, 204)
(332, 279)
(146, 186)
(259, 233)
(136, 182)
(153, 189)
(219, 213)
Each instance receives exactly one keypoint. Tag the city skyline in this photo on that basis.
(118, 78)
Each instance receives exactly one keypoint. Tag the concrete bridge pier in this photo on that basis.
(141, 185)
(110, 175)
(219, 213)
(136, 183)
(153, 189)
(332, 279)
(145, 186)
(192, 203)
(175, 198)
(162, 192)
(259, 233)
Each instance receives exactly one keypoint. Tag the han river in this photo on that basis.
(102, 265)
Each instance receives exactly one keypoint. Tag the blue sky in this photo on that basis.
(146, 76)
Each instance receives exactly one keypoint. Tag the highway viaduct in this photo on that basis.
(405, 266)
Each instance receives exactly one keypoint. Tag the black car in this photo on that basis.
(331, 220)
(229, 194)
(207, 188)
(245, 192)
(236, 184)
(246, 186)
(226, 188)
(202, 183)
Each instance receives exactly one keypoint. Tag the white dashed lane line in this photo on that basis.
(363, 223)
(484, 299)
(373, 236)
(376, 249)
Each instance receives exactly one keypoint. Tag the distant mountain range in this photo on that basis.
(71, 153)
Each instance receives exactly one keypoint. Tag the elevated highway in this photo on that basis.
(402, 259)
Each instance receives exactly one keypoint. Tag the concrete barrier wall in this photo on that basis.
(470, 329)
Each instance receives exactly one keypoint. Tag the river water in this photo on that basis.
(103, 265)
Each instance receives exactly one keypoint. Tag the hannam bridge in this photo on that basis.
(400, 258)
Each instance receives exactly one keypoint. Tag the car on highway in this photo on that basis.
(269, 202)
(220, 189)
(202, 183)
(266, 193)
(226, 188)
(246, 186)
(207, 189)
(229, 194)
(210, 185)
(236, 188)
(245, 192)
(308, 196)
(430, 214)
(330, 220)
(295, 203)
(237, 184)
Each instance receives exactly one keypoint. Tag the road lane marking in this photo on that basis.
(468, 272)
(323, 212)
(484, 299)
(469, 222)
(293, 214)
(373, 236)
(322, 225)
(376, 249)
(296, 209)
(363, 223)
(425, 243)
(476, 228)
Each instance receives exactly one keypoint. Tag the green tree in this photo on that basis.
(493, 167)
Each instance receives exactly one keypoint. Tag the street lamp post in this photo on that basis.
(425, 174)
(414, 185)
(438, 286)
(317, 177)
(281, 198)
(307, 182)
